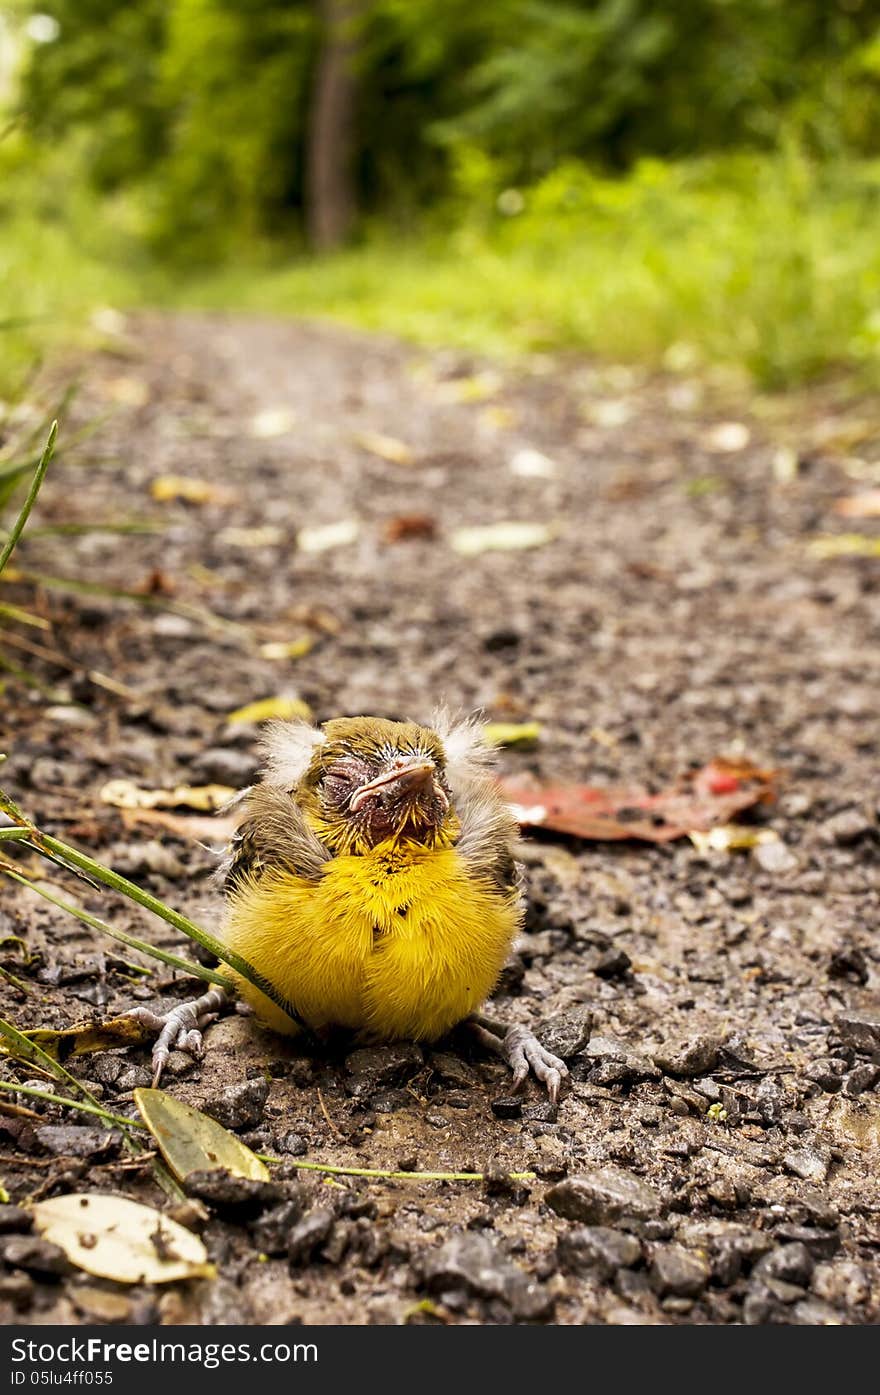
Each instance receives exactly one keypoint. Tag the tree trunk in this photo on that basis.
(330, 193)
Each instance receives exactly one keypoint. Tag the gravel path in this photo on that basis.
(678, 610)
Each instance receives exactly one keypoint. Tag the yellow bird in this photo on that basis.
(372, 883)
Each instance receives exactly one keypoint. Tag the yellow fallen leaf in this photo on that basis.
(267, 708)
(89, 1036)
(328, 535)
(386, 447)
(166, 488)
(125, 794)
(499, 418)
(288, 649)
(273, 421)
(478, 387)
(511, 733)
(844, 545)
(730, 836)
(114, 1238)
(501, 537)
(191, 1141)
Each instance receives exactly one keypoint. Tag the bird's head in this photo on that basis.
(370, 780)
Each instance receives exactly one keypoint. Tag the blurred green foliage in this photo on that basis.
(207, 101)
(620, 175)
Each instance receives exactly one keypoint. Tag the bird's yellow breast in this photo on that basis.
(400, 942)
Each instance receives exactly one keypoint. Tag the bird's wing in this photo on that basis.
(273, 834)
(489, 832)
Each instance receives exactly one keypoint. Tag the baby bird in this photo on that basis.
(372, 883)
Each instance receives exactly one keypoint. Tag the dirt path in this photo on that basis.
(677, 614)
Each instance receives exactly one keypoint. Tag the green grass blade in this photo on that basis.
(74, 860)
(117, 1120)
(26, 1050)
(36, 482)
(174, 961)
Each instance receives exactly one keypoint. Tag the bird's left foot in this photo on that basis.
(180, 1028)
(523, 1052)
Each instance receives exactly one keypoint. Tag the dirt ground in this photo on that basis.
(680, 611)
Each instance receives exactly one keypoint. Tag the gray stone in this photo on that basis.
(774, 857)
(614, 1062)
(808, 1163)
(372, 1066)
(845, 1283)
(864, 1077)
(812, 1312)
(597, 1249)
(274, 1228)
(239, 1106)
(36, 1255)
(223, 765)
(603, 1196)
(134, 1078)
(850, 826)
(451, 1070)
(474, 1262)
(293, 1143)
(76, 1140)
(792, 1263)
(678, 1272)
(695, 1056)
(107, 1068)
(822, 1244)
(242, 1196)
(827, 1074)
(309, 1234)
(566, 1034)
(14, 1219)
(507, 1107)
(859, 1030)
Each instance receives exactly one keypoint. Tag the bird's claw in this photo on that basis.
(181, 1028)
(523, 1052)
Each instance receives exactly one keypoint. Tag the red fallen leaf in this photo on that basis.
(410, 525)
(698, 801)
(864, 505)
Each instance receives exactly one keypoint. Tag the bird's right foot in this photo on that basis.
(181, 1028)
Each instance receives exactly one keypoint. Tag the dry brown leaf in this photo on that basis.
(125, 794)
(697, 802)
(864, 505)
(407, 526)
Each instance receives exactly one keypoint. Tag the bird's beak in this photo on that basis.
(409, 778)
